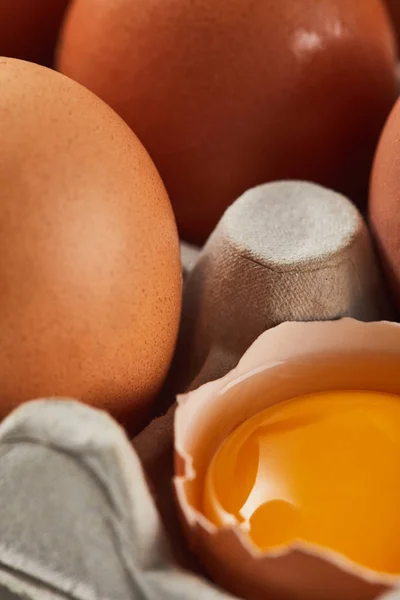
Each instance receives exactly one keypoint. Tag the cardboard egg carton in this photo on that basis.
(87, 515)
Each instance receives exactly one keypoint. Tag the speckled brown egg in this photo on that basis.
(227, 95)
(384, 201)
(90, 277)
(29, 28)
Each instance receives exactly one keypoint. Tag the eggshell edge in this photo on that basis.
(221, 550)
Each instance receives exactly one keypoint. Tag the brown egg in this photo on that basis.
(29, 28)
(384, 201)
(228, 95)
(394, 10)
(90, 277)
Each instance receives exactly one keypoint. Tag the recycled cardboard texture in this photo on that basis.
(285, 251)
(77, 519)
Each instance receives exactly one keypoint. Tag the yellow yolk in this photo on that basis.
(323, 468)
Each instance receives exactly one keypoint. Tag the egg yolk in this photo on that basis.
(324, 469)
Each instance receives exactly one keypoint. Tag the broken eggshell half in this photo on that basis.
(290, 360)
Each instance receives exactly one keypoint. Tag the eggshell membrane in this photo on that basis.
(229, 95)
(384, 200)
(290, 360)
(90, 274)
(29, 28)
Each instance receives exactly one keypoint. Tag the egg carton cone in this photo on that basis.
(284, 251)
(77, 519)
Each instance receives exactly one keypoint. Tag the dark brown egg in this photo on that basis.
(394, 11)
(90, 277)
(29, 28)
(226, 95)
(384, 201)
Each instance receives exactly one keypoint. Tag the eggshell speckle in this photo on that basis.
(90, 275)
(229, 95)
(29, 28)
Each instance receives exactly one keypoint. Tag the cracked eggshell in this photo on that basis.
(290, 360)
(90, 270)
(227, 95)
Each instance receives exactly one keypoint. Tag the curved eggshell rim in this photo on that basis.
(276, 346)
